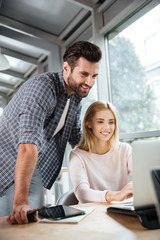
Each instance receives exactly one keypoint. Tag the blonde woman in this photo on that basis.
(100, 165)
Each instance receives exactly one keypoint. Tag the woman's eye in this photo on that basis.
(100, 121)
(95, 76)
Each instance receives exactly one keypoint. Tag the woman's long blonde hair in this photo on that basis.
(86, 142)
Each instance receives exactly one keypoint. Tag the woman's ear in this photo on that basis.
(88, 124)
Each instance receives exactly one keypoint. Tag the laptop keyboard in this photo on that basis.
(128, 206)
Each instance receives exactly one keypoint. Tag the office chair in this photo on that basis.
(67, 199)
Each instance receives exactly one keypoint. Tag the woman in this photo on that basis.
(100, 165)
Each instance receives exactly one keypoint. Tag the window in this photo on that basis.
(134, 61)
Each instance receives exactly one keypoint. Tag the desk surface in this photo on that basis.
(98, 225)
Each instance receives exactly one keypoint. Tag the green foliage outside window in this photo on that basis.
(131, 93)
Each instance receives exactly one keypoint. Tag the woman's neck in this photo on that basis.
(101, 147)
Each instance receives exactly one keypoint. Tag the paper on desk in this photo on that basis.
(128, 200)
(76, 219)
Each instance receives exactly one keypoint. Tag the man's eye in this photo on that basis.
(84, 74)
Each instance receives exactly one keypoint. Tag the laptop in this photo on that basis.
(145, 155)
(155, 176)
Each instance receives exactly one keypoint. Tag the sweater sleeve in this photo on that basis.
(80, 182)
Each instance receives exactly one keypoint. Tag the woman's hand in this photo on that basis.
(125, 193)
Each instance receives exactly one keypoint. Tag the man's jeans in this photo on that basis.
(36, 195)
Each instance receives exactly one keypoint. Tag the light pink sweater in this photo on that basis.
(93, 175)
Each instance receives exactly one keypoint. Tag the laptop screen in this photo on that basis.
(146, 154)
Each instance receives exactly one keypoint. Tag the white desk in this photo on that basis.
(98, 225)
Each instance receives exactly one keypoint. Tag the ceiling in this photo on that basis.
(54, 21)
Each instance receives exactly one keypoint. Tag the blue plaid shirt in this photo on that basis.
(32, 116)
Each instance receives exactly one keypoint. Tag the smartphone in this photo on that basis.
(56, 212)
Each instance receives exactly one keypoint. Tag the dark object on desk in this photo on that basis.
(147, 216)
(57, 212)
(32, 213)
(30, 216)
(155, 175)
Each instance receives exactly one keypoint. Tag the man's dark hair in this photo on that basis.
(85, 49)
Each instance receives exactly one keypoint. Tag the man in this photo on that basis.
(35, 127)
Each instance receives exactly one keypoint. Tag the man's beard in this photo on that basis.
(77, 88)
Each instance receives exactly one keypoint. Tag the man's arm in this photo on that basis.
(25, 165)
(76, 130)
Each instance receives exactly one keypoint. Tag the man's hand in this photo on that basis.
(19, 215)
